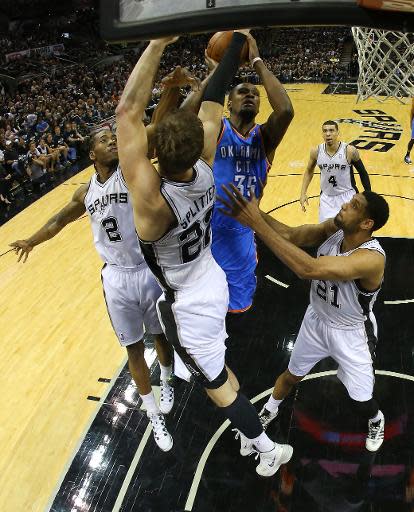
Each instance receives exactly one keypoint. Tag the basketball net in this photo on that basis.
(386, 64)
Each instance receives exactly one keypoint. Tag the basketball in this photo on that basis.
(218, 45)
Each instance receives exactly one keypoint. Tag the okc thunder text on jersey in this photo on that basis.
(240, 160)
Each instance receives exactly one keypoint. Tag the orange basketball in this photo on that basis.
(218, 45)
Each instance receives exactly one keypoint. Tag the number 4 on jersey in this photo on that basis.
(332, 180)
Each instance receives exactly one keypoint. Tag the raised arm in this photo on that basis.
(307, 178)
(170, 98)
(141, 177)
(362, 264)
(307, 235)
(279, 120)
(72, 211)
(247, 212)
(354, 158)
(211, 110)
(193, 101)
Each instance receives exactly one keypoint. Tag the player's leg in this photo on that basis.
(165, 357)
(140, 373)
(150, 293)
(233, 380)
(356, 372)
(199, 344)
(121, 291)
(407, 158)
(244, 418)
(236, 254)
(310, 347)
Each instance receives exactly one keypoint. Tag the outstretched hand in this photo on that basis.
(245, 31)
(166, 40)
(211, 63)
(244, 210)
(181, 77)
(22, 249)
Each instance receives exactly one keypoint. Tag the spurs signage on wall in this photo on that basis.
(380, 132)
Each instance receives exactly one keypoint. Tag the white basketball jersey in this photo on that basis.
(343, 304)
(109, 207)
(336, 171)
(183, 254)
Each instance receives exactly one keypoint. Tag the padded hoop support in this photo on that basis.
(259, 13)
(388, 5)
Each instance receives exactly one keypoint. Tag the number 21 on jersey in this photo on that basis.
(329, 295)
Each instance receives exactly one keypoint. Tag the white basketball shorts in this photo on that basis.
(316, 340)
(131, 296)
(329, 206)
(193, 321)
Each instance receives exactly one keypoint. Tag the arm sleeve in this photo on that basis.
(224, 74)
(360, 167)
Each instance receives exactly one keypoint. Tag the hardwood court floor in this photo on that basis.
(56, 337)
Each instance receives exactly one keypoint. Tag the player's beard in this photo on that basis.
(113, 163)
(247, 116)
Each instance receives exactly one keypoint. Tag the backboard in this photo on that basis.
(127, 20)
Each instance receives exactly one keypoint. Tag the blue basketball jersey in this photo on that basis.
(242, 161)
(239, 160)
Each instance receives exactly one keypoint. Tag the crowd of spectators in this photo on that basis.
(58, 98)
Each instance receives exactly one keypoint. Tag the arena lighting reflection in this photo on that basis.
(319, 431)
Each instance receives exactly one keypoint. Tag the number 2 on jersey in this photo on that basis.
(197, 236)
(110, 225)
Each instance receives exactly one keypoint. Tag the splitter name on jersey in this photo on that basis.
(102, 202)
(200, 204)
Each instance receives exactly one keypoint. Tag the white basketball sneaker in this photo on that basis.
(161, 435)
(166, 397)
(246, 446)
(266, 417)
(271, 461)
(375, 436)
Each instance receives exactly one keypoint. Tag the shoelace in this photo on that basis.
(237, 433)
(158, 422)
(256, 454)
(167, 392)
(373, 430)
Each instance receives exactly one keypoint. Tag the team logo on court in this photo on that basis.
(380, 132)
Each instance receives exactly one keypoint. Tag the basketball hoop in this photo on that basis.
(386, 62)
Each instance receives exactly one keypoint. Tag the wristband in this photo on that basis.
(256, 59)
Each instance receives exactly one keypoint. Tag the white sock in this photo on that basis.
(377, 417)
(263, 443)
(166, 372)
(149, 403)
(272, 405)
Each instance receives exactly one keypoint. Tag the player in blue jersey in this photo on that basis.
(407, 158)
(245, 152)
